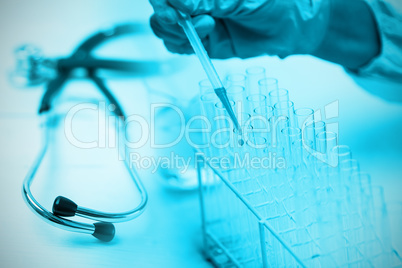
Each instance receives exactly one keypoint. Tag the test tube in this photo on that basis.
(302, 117)
(266, 85)
(309, 134)
(237, 94)
(257, 148)
(305, 194)
(325, 141)
(297, 155)
(348, 167)
(380, 220)
(254, 74)
(395, 218)
(252, 163)
(365, 196)
(224, 129)
(244, 119)
(266, 111)
(278, 95)
(326, 176)
(307, 150)
(357, 194)
(236, 80)
(216, 119)
(208, 110)
(331, 239)
(285, 108)
(288, 137)
(312, 128)
(254, 101)
(339, 153)
(260, 121)
(356, 227)
(277, 124)
(319, 126)
(365, 185)
(246, 134)
(222, 145)
(205, 87)
(222, 118)
(234, 210)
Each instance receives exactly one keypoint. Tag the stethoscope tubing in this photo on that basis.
(49, 217)
(95, 215)
(103, 229)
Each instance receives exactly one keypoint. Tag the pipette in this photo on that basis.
(220, 91)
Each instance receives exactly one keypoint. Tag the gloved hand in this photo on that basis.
(244, 28)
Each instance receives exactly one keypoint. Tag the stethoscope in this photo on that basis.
(35, 69)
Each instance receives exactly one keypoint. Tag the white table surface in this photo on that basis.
(168, 233)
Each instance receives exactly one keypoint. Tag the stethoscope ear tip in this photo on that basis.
(104, 231)
(64, 207)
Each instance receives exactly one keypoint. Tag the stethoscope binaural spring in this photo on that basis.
(33, 65)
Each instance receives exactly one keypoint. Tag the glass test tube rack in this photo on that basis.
(316, 210)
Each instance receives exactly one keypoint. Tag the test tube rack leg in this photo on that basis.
(225, 249)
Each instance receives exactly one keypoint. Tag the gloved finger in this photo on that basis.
(170, 37)
(164, 11)
(163, 30)
(215, 8)
(204, 25)
(181, 49)
(219, 43)
(184, 48)
(174, 34)
(193, 7)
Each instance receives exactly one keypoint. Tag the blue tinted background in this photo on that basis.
(168, 234)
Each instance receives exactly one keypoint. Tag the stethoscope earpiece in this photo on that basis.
(64, 207)
(104, 231)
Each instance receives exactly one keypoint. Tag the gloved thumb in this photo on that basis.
(204, 25)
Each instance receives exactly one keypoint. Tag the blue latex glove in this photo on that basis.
(248, 28)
